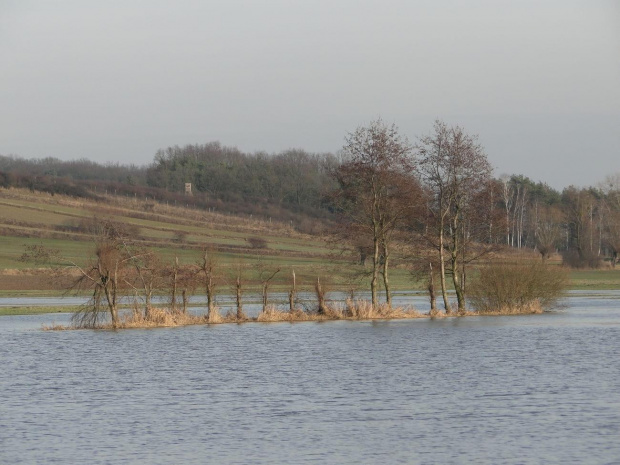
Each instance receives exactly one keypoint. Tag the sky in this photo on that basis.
(114, 81)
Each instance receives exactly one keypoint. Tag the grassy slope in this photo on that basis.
(32, 218)
(28, 218)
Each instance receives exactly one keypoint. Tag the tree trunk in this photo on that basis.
(431, 289)
(320, 295)
(208, 270)
(111, 298)
(442, 272)
(210, 296)
(264, 297)
(114, 314)
(460, 296)
(240, 315)
(292, 295)
(375, 272)
(456, 246)
(111, 294)
(147, 304)
(184, 297)
(173, 291)
(386, 282)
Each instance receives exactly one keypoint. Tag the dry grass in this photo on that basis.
(352, 310)
(213, 317)
(157, 318)
(364, 310)
(357, 310)
(533, 307)
(272, 315)
(162, 318)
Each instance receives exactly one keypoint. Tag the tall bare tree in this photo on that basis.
(454, 168)
(376, 190)
(580, 207)
(265, 273)
(610, 219)
(148, 269)
(208, 268)
(548, 230)
(105, 274)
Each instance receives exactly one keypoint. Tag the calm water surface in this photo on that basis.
(529, 389)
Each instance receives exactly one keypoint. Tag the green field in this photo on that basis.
(33, 218)
(595, 279)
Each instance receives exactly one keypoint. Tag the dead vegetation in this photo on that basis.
(165, 317)
(528, 287)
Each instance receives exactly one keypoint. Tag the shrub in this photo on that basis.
(180, 236)
(586, 259)
(257, 242)
(528, 287)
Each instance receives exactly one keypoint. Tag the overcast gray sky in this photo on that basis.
(538, 81)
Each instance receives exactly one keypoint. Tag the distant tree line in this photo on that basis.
(583, 224)
(82, 169)
(46, 183)
(295, 179)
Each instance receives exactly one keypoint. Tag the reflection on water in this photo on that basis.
(529, 389)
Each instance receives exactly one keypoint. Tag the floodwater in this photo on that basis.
(518, 390)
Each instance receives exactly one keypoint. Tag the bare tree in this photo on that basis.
(265, 275)
(208, 268)
(320, 296)
(507, 197)
(375, 187)
(173, 275)
(610, 223)
(611, 232)
(292, 294)
(548, 231)
(579, 207)
(237, 274)
(454, 168)
(106, 274)
(424, 268)
(148, 268)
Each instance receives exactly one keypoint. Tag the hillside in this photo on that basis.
(63, 223)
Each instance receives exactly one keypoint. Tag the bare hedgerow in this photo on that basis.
(518, 288)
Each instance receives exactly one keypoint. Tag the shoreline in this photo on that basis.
(360, 311)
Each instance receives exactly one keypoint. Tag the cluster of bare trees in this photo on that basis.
(581, 223)
(437, 192)
(592, 223)
(121, 269)
(438, 200)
